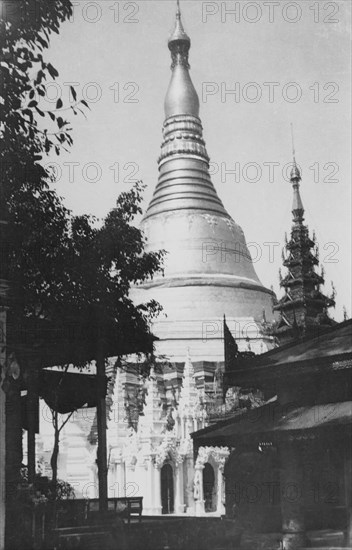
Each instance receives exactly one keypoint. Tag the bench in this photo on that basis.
(98, 530)
(125, 507)
(134, 507)
(82, 511)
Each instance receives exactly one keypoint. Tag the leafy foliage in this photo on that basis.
(69, 278)
(65, 271)
(43, 487)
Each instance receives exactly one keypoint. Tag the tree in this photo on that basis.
(69, 276)
(50, 250)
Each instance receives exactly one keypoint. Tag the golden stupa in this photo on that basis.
(208, 269)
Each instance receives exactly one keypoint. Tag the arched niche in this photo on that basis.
(167, 488)
(209, 488)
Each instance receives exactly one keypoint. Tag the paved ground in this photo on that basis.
(184, 534)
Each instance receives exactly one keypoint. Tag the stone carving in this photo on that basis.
(186, 447)
(131, 449)
(167, 449)
(212, 220)
(197, 490)
(219, 454)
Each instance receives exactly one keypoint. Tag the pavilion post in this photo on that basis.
(2, 430)
(5, 238)
(101, 425)
(32, 419)
(293, 524)
(348, 498)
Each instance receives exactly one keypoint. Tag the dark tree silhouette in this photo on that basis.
(69, 276)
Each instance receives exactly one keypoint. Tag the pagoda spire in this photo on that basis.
(184, 179)
(208, 269)
(303, 308)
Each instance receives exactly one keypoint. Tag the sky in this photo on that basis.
(257, 67)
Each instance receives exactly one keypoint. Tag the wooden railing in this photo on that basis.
(80, 511)
(80, 524)
(125, 507)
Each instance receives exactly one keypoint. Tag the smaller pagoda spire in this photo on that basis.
(189, 391)
(303, 307)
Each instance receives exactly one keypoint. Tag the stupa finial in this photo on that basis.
(295, 177)
(181, 98)
(179, 36)
(178, 9)
(295, 173)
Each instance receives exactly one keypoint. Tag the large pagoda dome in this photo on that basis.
(208, 268)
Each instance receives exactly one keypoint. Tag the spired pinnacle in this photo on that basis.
(181, 97)
(303, 308)
(184, 181)
(297, 204)
(179, 35)
(295, 177)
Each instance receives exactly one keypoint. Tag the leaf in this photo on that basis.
(40, 77)
(83, 101)
(42, 41)
(73, 92)
(52, 116)
(31, 94)
(40, 112)
(32, 103)
(29, 113)
(60, 122)
(59, 103)
(52, 71)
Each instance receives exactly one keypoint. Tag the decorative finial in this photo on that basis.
(345, 315)
(179, 41)
(181, 97)
(317, 252)
(178, 9)
(333, 291)
(152, 373)
(297, 206)
(293, 144)
(295, 173)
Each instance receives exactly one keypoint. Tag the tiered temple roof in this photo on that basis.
(304, 307)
